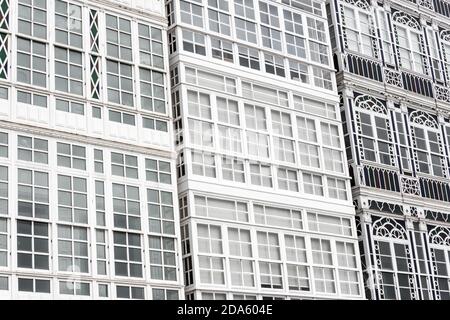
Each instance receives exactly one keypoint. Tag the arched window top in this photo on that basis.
(440, 236)
(445, 35)
(389, 228)
(370, 103)
(403, 18)
(423, 118)
(362, 4)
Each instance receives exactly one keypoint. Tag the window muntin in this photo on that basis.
(160, 212)
(126, 206)
(32, 18)
(68, 21)
(32, 149)
(32, 245)
(71, 156)
(72, 199)
(33, 193)
(73, 249)
(127, 254)
(32, 62)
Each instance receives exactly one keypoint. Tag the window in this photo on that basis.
(152, 90)
(201, 133)
(274, 65)
(32, 62)
(121, 117)
(298, 277)
(127, 254)
(296, 46)
(33, 18)
(233, 169)
(248, 57)
(32, 149)
(279, 217)
(269, 14)
(33, 285)
(157, 171)
(3, 145)
(32, 98)
(284, 150)
(427, 143)
(164, 294)
(100, 203)
(98, 160)
(162, 258)
(191, 14)
(228, 111)
(293, 22)
(221, 209)
(230, 139)
(71, 156)
(242, 273)
(103, 290)
(324, 280)
(244, 8)
(219, 22)
(330, 135)
(358, 29)
(154, 124)
(96, 112)
(245, 30)
(3, 243)
(72, 199)
(329, 224)
(321, 251)
(160, 212)
(322, 78)
(255, 118)
(298, 71)
(118, 38)
(68, 71)
(75, 288)
(268, 246)
(127, 292)
(210, 80)
(33, 193)
(199, 104)
(120, 83)
(271, 38)
(222, 50)
(124, 165)
(295, 249)
(211, 270)
(70, 106)
(72, 249)
(281, 123)
(150, 46)
(403, 141)
(409, 40)
(260, 175)
(209, 239)
(312, 184)
(308, 150)
(315, 107)
(337, 188)
(4, 193)
(32, 245)
(383, 26)
(101, 250)
(287, 179)
(194, 42)
(203, 164)
(333, 160)
(270, 275)
(126, 206)
(4, 283)
(239, 242)
(68, 24)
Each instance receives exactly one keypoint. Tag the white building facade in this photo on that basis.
(394, 83)
(263, 188)
(88, 187)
